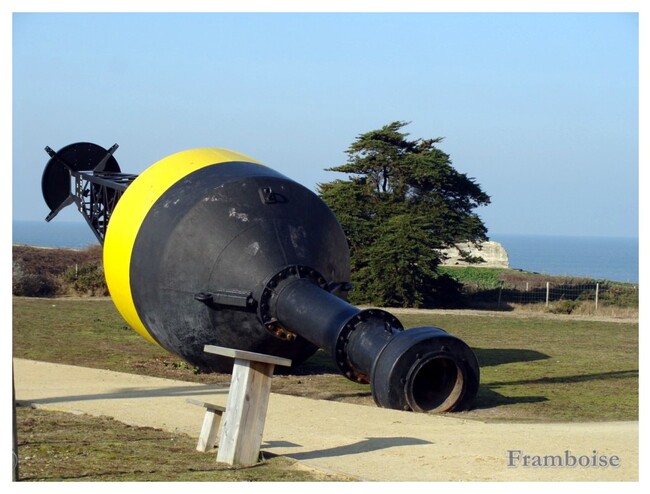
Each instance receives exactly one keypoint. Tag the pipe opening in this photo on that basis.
(434, 384)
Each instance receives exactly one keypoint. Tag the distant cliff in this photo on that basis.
(493, 254)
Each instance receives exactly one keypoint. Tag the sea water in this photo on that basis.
(608, 258)
(74, 235)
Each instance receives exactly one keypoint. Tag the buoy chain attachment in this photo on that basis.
(271, 289)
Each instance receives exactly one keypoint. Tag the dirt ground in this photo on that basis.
(367, 443)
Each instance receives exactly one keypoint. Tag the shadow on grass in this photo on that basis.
(572, 379)
(488, 357)
(489, 398)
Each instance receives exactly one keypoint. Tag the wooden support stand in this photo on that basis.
(210, 427)
(248, 399)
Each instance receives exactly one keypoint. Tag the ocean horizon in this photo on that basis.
(601, 258)
(606, 258)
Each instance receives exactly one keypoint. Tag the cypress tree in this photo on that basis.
(401, 203)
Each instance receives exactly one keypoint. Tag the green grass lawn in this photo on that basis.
(549, 369)
(533, 368)
(57, 446)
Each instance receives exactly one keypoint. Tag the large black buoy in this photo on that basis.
(208, 246)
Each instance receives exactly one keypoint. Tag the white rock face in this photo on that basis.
(493, 253)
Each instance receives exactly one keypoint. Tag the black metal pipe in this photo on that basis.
(313, 313)
(422, 369)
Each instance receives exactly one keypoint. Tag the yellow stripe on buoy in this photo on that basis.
(131, 210)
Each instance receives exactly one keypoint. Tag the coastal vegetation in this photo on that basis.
(51, 272)
(47, 272)
(507, 289)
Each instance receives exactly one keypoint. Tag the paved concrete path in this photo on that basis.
(365, 442)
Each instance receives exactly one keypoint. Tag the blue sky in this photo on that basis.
(541, 109)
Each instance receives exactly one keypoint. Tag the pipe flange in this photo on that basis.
(270, 290)
(391, 324)
(425, 369)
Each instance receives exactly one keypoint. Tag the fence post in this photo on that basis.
(548, 289)
(597, 290)
(499, 299)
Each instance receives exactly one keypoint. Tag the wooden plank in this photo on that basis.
(209, 431)
(205, 404)
(243, 421)
(241, 354)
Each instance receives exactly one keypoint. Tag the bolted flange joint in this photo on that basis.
(269, 293)
(369, 321)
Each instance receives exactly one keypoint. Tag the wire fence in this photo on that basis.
(598, 294)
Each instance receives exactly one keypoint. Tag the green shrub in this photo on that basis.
(620, 295)
(44, 272)
(86, 279)
(563, 307)
(26, 284)
(54, 261)
(474, 278)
